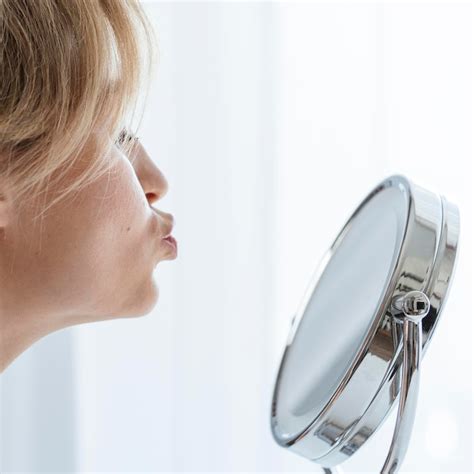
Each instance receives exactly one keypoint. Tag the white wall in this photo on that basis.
(270, 121)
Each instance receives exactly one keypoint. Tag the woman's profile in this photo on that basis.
(80, 234)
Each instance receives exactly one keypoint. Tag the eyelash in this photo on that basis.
(124, 135)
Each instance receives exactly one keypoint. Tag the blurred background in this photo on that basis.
(271, 121)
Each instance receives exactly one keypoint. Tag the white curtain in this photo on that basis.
(270, 121)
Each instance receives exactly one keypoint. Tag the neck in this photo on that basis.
(17, 334)
(22, 324)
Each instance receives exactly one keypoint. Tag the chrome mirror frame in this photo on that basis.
(395, 343)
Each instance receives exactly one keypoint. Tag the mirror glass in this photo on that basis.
(341, 309)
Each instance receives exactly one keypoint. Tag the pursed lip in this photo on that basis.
(172, 243)
(169, 226)
(167, 241)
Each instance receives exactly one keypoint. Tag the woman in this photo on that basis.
(79, 235)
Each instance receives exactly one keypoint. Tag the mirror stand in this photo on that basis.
(408, 310)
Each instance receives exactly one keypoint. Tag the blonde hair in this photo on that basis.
(68, 67)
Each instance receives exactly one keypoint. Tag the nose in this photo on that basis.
(153, 182)
(155, 185)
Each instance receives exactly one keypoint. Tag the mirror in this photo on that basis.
(359, 333)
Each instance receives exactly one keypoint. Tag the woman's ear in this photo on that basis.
(5, 213)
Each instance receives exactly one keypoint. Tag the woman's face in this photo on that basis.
(91, 257)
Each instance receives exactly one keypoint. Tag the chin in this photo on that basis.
(143, 300)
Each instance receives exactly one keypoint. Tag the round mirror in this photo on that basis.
(363, 324)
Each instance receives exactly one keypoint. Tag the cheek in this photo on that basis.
(130, 228)
(125, 243)
(101, 251)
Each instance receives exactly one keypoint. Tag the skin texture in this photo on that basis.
(90, 258)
